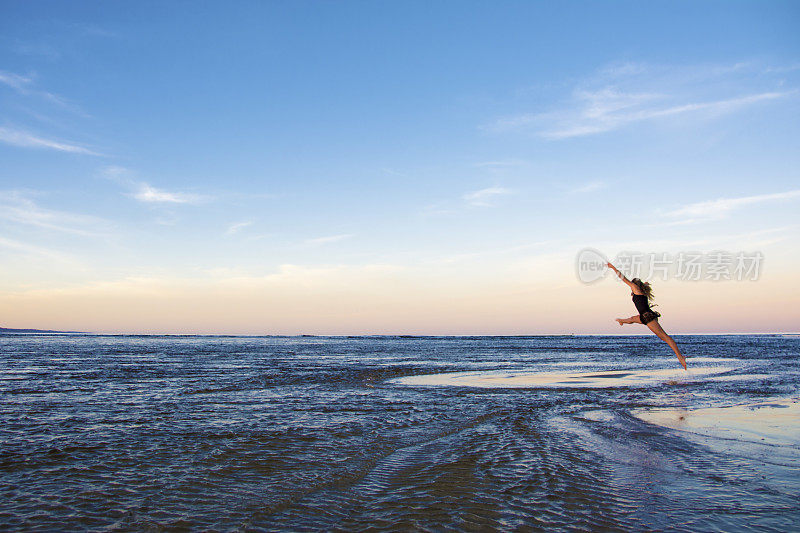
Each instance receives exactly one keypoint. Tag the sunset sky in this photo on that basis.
(393, 167)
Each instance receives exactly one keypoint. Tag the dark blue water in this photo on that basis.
(221, 433)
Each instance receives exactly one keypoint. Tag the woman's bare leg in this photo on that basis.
(656, 328)
(632, 320)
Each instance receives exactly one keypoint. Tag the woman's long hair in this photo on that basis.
(645, 288)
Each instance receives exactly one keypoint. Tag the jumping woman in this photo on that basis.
(641, 294)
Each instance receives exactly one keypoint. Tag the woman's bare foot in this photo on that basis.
(619, 320)
(682, 361)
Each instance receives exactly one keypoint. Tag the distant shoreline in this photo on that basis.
(36, 331)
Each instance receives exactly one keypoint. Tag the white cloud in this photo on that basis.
(115, 172)
(720, 208)
(782, 69)
(592, 186)
(144, 192)
(238, 226)
(31, 250)
(501, 164)
(608, 110)
(28, 140)
(393, 172)
(89, 29)
(16, 208)
(15, 81)
(483, 197)
(328, 239)
(621, 95)
(24, 85)
(438, 209)
(479, 198)
(150, 194)
(512, 250)
(700, 241)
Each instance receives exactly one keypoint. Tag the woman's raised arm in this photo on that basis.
(623, 278)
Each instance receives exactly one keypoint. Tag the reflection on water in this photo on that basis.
(390, 433)
(762, 423)
(613, 378)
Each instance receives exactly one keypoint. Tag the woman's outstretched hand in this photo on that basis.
(617, 272)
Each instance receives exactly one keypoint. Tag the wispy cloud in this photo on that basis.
(17, 208)
(783, 69)
(608, 109)
(25, 86)
(695, 241)
(438, 209)
(30, 249)
(89, 30)
(591, 186)
(238, 226)
(480, 198)
(328, 239)
(722, 207)
(40, 49)
(501, 164)
(454, 258)
(28, 140)
(15, 81)
(599, 117)
(393, 172)
(622, 95)
(144, 192)
(484, 197)
(149, 194)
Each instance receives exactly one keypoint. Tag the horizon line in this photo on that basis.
(32, 331)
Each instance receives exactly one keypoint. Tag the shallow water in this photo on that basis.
(222, 433)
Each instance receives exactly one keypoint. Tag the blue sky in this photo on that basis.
(373, 151)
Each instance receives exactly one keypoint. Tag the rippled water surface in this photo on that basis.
(294, 433)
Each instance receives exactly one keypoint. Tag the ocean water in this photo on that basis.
(153, 433)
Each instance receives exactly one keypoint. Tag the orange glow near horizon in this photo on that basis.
(378, 300)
